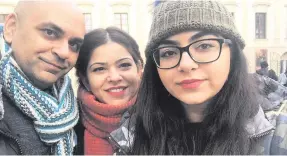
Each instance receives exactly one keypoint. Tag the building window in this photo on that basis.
(260, 25)
(88, 21)
(121, 21)
(2, 18)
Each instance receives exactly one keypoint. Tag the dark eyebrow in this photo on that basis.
(168, 42)
(103, 63)
(76, 40)
(99, 63)
(201, 34)
(192, 38)
(61, 31)
(53, 26)
(123, 59)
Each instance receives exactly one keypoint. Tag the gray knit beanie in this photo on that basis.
(175, 16)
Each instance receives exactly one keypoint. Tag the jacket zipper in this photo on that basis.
(262, 134)
(15, 139)
(118, 146)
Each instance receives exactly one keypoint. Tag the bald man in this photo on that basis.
(38, 109)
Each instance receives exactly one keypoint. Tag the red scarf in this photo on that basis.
(99, 120)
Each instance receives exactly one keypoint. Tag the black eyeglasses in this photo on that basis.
(201, 51)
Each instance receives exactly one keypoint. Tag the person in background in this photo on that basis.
(283, 78)
(109, 70)
(265, 72)
(38, 109)
(273, 91)
(196, 96)
(264, 69)
(272, 75)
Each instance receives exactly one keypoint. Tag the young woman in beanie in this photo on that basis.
(109, 68)
(195, 95)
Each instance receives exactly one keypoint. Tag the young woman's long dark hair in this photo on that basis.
(160, 118)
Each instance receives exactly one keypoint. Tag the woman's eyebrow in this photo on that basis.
(192, 38)
(99, 63)
(169, 42)
(126, 58)
(201, 34)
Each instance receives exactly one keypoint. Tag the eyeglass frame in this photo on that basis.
(186, 49)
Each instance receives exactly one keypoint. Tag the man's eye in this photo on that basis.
(75, 46)
(51, 34)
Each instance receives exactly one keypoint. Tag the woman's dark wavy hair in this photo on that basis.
(98, 37)
(158, 115)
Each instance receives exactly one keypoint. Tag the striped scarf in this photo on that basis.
(53, 117)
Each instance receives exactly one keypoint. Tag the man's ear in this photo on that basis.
(10, 26)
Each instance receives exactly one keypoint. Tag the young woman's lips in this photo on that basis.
(191, 84)
(116, 91)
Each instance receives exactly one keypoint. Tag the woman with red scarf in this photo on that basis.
(109, 68)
